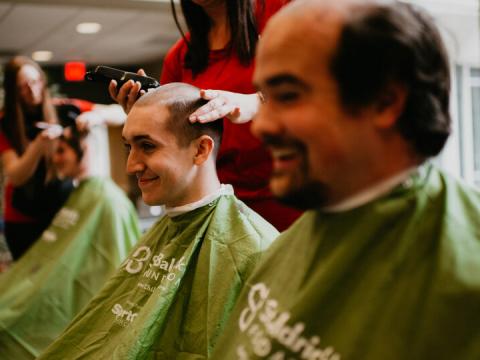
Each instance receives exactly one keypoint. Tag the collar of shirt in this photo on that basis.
(371, 193)
(179, 210)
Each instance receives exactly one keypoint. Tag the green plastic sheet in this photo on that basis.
(171, 297)
(397, 278)
(42, 292)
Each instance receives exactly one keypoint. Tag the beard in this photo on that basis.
(296, 189)
(305, 196)
(310, 196)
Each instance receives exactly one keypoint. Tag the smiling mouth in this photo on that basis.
(286, 160)
(284, 154)
(146, 181)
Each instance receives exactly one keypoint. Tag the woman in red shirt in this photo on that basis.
(33, 193)
(217, 53)
(25, 152)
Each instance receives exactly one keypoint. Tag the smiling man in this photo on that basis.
(384, 265)
(173, 294)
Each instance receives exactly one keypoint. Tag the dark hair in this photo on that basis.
(72, 136)
(243, 30)
(75, 140)
(384, 44)
(13, 123)
(181, 101)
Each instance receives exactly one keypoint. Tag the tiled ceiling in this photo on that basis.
(140, 31)
(132, 31)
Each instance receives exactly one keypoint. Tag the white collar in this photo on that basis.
(371, 193)
(179, 210)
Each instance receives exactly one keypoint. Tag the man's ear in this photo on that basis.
(204, 146)
(390, 105)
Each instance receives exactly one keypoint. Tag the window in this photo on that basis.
(475, 88)
(458, 21)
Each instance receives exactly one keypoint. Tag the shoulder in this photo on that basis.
(457, 231)
(176, 52)
(173, 62)
(235, 222)
(461, 200)
(106, 190)
(4, 142)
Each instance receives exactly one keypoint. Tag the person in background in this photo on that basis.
(28, 129)
(217, 53)
(173, 294)
(385, 263)
(87, 240)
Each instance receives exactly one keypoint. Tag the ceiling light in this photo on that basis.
(160, 1)
(88, 28)
(42, 55)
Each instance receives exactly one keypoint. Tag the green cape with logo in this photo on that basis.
(42, 292)
(171, 297)
(397, 278)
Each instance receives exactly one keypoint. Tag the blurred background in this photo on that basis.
(67, 36)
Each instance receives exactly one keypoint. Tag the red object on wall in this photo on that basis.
(74, 71)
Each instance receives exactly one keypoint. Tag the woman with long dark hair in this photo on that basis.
(26, 152)
(29, 124)
(217, 53)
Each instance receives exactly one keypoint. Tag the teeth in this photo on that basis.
(283, 153)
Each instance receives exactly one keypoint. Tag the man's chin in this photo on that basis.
(149, 201)
(304, 197)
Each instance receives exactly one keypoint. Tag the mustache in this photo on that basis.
(282, 141)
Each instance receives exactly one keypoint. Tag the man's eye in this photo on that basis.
(127, 147)
(147, 146)
(285, 96)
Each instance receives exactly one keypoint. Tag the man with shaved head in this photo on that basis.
(385, 263)
(174, 292)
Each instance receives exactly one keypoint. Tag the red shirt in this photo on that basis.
(9, 212)
(242, 160)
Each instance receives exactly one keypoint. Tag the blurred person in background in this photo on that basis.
(28, 129)
(217, 53)
(89, 237)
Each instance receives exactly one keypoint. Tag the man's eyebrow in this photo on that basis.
(285, 79)
(138, 138)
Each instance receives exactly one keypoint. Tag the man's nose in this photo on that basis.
(134, 164)
(266, 123)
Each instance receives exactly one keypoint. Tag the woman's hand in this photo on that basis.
(100, 114)
(238, 108)
(19, 169)
(128, 93)
(51, 133)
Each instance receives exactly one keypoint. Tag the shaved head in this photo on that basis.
(181, 100)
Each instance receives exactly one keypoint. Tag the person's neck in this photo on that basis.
(219, 34)
(395, 159)
(83, 173)
(183, 209)
(370, 193)
(204, 182)
(34, 110)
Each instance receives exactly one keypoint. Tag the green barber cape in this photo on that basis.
(42, 292)
(171, 297)
(395, 279)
